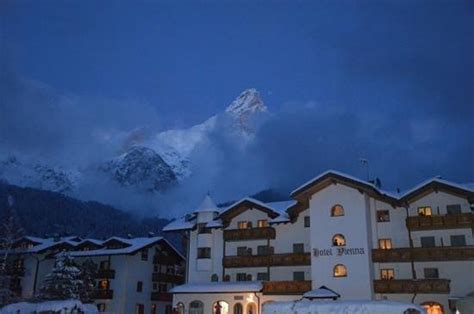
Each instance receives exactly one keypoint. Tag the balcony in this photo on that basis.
(464, 220)
(166, 260)
(286, 287)
(289, 259)
(105, 274)
(412, 286)
(102, 294)
(445, 253)
(163, 277)
(249, 234)
(161, 296)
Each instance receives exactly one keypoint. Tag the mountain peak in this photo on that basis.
(248, 102)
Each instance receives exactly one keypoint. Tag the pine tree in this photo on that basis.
(64, 281)
(88, 275)
(10, 232)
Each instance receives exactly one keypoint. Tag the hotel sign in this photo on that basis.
(340, 251)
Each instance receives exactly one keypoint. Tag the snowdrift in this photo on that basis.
(62, 307)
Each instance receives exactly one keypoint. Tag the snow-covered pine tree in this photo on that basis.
(88, 275)
(64, 281)
(10, 232)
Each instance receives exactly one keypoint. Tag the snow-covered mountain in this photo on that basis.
(142, 168)
(148, 162)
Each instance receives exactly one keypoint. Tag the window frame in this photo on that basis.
(342, 213)
(383, 244)
(383, 215)
(422, 211)
(336, 267)
(298, 248)
(307, 221)
(262, 223)
(426, 238)
(435, 271)
(334, 237)
(296, 274)
(458, 236)
(385, 273)
(203, 253)
(139, 287)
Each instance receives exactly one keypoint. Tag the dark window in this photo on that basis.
(145, 255)
(101, 307)
(168, 309)
(242, 251)
(454, 209)
(383, 216)
(104, 265)
(153, 309)
(162, 287)
(298, 247)
(155, 268)
(307, 222)
(155, 286)
(139, 286)
(458, 240)
(428, 242)
(298, 275)
(263, 250)
(241, 277)
(139, 309)
(214, 277)
(202, 229)
(431, 273)
(204, 252)
(262, 276)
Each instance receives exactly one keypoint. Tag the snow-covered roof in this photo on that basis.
(322, 292)
(216, 223)
(221, 287)
(46, 306)
(133, 245)
(251, 200)
(466, 187)
(182, 223)
(207, 205)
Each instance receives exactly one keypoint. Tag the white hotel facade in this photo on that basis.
(339, 232)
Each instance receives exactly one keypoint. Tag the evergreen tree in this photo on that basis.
(10, 232)
(64, 281)
(87, 276)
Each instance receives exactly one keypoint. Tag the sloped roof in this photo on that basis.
(207, 205)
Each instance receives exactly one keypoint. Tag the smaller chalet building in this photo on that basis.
(338, 234)
(134, 275)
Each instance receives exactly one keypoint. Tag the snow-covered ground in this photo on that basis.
(339, 307)
(62, 307)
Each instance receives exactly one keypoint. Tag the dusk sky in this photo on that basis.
(401, 73)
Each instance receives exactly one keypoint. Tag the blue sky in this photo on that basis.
(400, 71)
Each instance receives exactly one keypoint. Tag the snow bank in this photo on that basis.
(57, 306)
(338, 307)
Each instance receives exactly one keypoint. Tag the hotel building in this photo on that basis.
(340, 232)
(133, 275)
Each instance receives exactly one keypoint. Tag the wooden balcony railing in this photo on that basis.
(102, 294)
(289, 259)
(105, 274)
(166, 260)
(464, 220)
(178, 279)
(445, 253)
(286, 287)
(412, 286)
(161, 296)
(249, 234)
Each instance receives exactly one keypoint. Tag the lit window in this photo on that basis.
(103, 284)
(139, 309)
(385, 244)
(337, 210)
(244, 224)
(340, 271)
(262, 223)
(431, 273)
(307, 222)
(387, 274)
(338, 240)
(424, 211)
(204, 252)
(433, 308)
(383, 216)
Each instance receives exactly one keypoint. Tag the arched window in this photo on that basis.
(214, 277)
(180, 308)
(220, 307)
(337, 210)
(251, 308)
(196, 307)
(340, 271)
(433, 308)
(338, 240)
(238, 309)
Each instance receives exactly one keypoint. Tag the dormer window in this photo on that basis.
(337, 211)
(244, 224)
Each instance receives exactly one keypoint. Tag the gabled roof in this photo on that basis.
(437, 184)
(244, 204)
(187, 222)
(322, 292)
